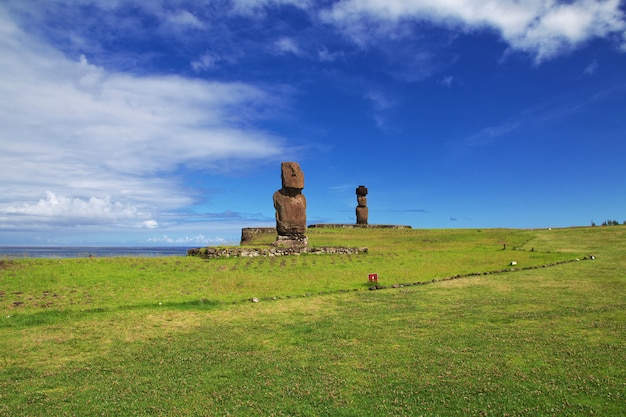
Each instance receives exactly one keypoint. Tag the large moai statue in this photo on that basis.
(361, 208)
(290, 205)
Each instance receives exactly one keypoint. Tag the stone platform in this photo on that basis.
(249, 233)
(243, 252)
(357, 226)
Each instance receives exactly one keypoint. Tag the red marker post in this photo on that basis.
(373, 277)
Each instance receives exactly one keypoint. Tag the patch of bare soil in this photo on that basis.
(4, 264)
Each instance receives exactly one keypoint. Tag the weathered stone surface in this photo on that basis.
(290, 212)
(290, 203)
(300, 241)
(248, 234)
(362, 212)
(234, 251)
(292, 175)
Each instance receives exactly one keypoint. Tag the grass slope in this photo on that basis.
(171, 336)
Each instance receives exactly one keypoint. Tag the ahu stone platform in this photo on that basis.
(249, 252)
(357, 226)
(248, 234)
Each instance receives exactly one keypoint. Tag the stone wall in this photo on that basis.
(213, 252)
(364, 226)
(248, 234)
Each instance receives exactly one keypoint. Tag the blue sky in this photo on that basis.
(127, 122)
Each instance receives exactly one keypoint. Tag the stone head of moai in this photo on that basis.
(361, 208)
(291, 175)
(290, 205)
(361, 198)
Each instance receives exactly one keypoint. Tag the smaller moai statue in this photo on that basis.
(361, 208)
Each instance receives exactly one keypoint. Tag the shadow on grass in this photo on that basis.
(51, 317)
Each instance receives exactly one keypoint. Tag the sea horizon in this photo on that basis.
(88, 251)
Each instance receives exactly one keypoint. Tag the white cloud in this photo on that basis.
(592, 68)
(447, 81)
(381, 103)
(184, 18)
(489, 134)
(206, 62)
(199, 239)
(257, 7)
(151, 224)
(74, 211)
(543, 28)
(380, 100)
(325, 55)
(107, 144)
(286, 45)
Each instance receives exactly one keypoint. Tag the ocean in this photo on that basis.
(13, 252)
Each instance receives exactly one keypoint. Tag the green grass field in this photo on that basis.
(180, 336)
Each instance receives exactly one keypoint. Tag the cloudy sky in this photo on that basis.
(133, 122)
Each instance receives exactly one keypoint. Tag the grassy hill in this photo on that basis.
(180, 336)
